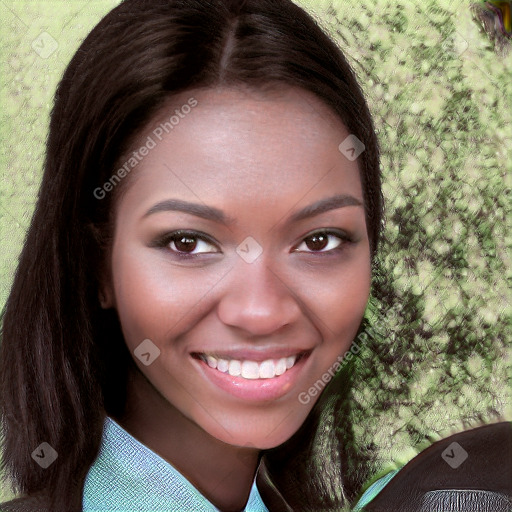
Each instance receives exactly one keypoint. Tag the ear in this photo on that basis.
(106, 296)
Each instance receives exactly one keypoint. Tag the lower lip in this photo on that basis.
(255, 390)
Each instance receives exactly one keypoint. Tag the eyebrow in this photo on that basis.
(216, 215)
(199, 210)
(325, 205)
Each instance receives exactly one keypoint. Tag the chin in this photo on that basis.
(259, 434)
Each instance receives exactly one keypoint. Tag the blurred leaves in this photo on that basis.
(438, 352)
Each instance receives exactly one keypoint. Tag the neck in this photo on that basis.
(223, 473)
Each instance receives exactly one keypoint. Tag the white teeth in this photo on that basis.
(235, 367)
(281, 366)
(212, 362)
(223, 365)
(267, 369)
(251, 370)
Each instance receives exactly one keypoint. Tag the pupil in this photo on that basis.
(316, 242)
(185, 244)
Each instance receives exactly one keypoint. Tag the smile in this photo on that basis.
(254, 376)
(251, 370)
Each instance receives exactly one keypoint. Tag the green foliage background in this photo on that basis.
(437, 359)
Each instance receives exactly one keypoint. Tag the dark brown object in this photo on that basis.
(481, 483)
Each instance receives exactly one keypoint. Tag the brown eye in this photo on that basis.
(323, 242)
(185, 243)
(317, 242)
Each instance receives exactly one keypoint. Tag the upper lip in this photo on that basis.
(254, 354)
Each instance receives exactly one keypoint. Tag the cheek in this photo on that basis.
(336, 296)
(153, 301)
(346, 300)
(336, 301)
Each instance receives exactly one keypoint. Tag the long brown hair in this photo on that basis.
(63, 361)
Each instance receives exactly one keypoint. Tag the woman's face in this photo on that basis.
(241, 253)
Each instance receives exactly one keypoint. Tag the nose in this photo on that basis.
(257, 300)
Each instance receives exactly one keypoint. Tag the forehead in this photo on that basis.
(252, 144)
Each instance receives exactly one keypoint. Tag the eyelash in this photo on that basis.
(164, 242)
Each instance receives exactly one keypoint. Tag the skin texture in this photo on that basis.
(258, 157)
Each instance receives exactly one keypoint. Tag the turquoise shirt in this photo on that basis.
(128, 477)
(373, 490)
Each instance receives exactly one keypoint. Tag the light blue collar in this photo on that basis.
(129, 477)
(373, 490)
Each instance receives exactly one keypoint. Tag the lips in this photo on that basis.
(260, 375)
